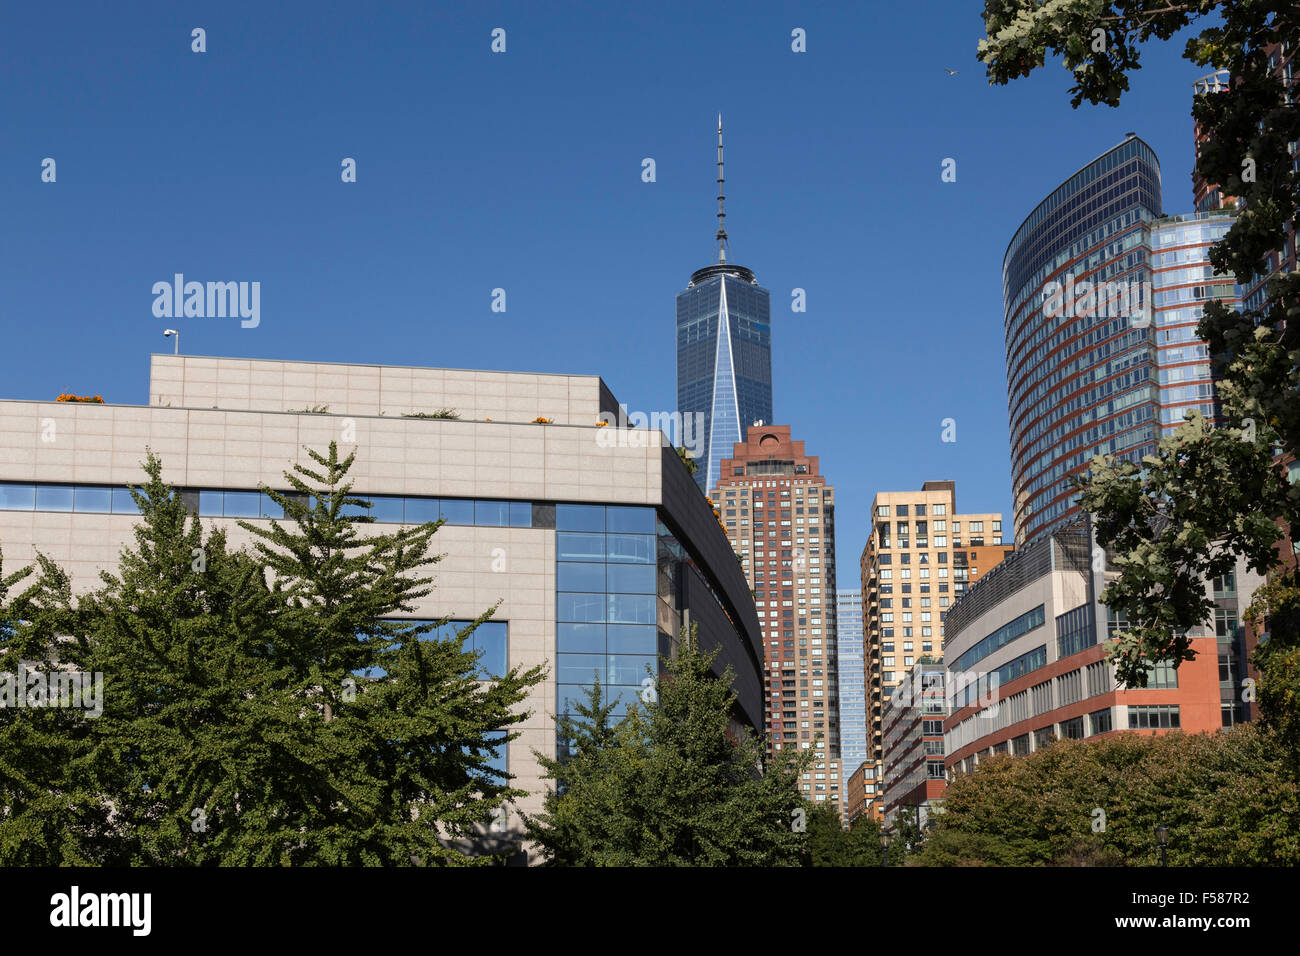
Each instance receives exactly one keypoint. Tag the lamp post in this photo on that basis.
(1162, 837)
(168, 333)
(884, 847)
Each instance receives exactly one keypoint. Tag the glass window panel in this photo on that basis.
(622, 696)
(632, 609)
(124, 504)
(630, 519)
(420, 510)
(241, 504)
(580, 607)
(567, 695)
(457, 511)
(630, 548)
(15, 497)
(269, 508)
(53, 497)
(632, 578)
(580, 517)
(627, 669)
(492, 514)
(521, 514)
(580, 637)
(579, 668)
(579, 547)
(572, 576)
(633, 639)
(490, 639)
(93, 500)
(386, 509)
(347, 511)
(498, 754)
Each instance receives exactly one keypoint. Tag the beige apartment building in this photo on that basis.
(921, 556)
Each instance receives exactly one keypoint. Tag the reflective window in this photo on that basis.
(573, 576)
(242, 504)
(16, 497)
(579, 518)
(421, 510)
(386, 509)
(53, 497)
(493, 514)
(93, 500)
(457, 511)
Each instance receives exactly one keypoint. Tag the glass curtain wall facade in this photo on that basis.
(852, 679)
(1182, 282)
(606, 605)
(724, 360)
(1080, 365)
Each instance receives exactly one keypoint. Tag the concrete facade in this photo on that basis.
(493, 451)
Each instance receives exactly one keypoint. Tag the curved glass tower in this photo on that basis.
(724, 353)
(1081, 356)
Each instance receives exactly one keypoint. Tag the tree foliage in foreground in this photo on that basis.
(670, 784)
(1227, 799)
(259, 709)
(1181, 516)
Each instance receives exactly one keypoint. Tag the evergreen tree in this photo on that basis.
(396, 768)
(257, 709)
(672, 784)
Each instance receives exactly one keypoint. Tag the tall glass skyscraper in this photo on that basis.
(1080, 373)
(724, 353)
(1102, 298)
(853, 680)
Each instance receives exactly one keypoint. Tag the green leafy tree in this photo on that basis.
(48, 816)
(263, 710)
(671, 784)
(1181, 516)
(404, 729)
(1225, 797)
(831, 844)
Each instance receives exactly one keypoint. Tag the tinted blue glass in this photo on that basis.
(387, 510)
(579, 668)
(53, 497)
(457, 511)
(632, 578)
(124, 504)
(572, 576)
(269, 508)
(580, 607)
(579, 547)
(567, 695)
(421, 510)
(630, 519)
(580, 637)
(631, 548)
(490, 641)
(521, 514)
(15, 497)
(497, 755)
(622, 696)
(347, 511)
(632, 609)
(93, 500)
(241, 504)
(492, 514)
(624, 669)
(580, 517)
(626, 639)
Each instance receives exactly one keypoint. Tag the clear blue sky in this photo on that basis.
(522, 171)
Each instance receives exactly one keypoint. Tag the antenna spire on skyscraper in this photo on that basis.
(722, 215)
